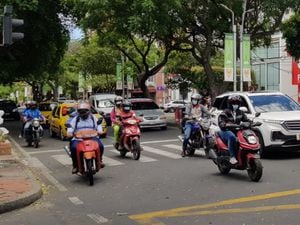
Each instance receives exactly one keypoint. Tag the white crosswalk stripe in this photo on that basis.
(111, 162)
(162, 152)
(142, 157)
(172, 146)
(63, 159)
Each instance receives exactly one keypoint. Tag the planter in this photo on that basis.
(5, 147)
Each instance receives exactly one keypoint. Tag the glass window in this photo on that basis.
(273, 76)
(273, 50)
(144, 105)
(273, 103)
(104, 103)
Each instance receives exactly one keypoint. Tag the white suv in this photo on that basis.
(280, 117)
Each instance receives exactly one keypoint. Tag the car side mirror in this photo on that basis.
(141, 115)
(257, 114)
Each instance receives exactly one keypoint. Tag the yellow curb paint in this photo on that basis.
(148, 218)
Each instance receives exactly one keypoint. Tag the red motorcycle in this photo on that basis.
(88, 154)
(130, 139)
(247, 153)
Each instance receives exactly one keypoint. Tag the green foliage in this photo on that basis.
(43, 45)
(291, 32)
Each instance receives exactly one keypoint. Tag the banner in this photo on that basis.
(295, 72)
(246, 58)
(119, 79)
(130, 85)
(228, 57)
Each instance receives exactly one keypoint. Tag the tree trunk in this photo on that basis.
(210, 76)
(142, 83)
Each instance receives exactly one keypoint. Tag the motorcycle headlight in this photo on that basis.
(251, 140)
(36, 123)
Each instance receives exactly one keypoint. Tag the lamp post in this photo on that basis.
(241, 42)
(234, 45)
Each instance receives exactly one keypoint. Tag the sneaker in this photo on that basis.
(116, 145)
(20, 136)
(74, 170)
(183, 153)
(102, 165)
(233, 160)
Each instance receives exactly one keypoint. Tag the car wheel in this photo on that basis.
(262, 151)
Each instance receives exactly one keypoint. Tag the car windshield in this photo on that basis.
(144, 105)
(105, 103)
(273, 103)
(45, 107)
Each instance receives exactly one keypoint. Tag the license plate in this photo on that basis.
(298, 136)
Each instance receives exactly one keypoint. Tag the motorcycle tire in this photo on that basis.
(223, 168)
(190, 151)
(123, 153)
(136, 150)
(90, 174)
(255, 171)
(36, 140)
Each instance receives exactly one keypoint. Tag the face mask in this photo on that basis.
(235, 107)
(194, 102)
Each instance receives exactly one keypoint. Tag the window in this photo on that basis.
(273, 103)
(105, 103)
(144, 105)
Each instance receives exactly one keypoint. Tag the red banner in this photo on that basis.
(295, 73)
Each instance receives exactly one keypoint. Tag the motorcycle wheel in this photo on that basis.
(223, 168)
(190, 151)
(255, 171)
(89, 165)
(36, 140)
(123, 153)
(136, 147)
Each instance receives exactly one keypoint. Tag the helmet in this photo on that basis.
(118, 101)
(234, 102)
(196, 98)
(84, 110)
(27, 104)
(33, 105)
(126, 106)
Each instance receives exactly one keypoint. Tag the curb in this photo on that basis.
(29, 197)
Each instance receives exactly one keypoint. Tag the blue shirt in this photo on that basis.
(33, 113)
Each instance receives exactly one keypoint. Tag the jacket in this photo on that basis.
(228, 116)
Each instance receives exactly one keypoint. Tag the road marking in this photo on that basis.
(75, 201)
(111, 162)
(63, 159)
(161, 152)
(151, 217)
(142, 157)
(159, 141)
(98, 218)
(176, 147)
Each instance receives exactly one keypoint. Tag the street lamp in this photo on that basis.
(234, 45)
(241, 42)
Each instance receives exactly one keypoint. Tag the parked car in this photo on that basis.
(172, 105)
(46, 109)
(10, 109)
(280, 117)
(104, 104)
(153, 116)
(60, 115)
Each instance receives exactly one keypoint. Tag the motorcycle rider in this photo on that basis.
(85, 120)
(27, 107)
(114, 120)
(193, 111)
(231, 115)
(31, 113)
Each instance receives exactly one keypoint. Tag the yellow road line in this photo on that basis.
(149, 218)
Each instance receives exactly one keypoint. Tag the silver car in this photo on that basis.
(153, 116)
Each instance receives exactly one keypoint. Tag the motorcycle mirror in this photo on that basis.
(257, 114)
(99, 121)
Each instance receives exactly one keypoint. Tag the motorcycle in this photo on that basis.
(34, 132)
(130, 141)
(247, 153)
(201, 136)
(88, 154)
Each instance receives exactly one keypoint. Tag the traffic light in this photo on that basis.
(9, 37)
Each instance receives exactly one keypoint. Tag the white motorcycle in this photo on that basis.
(33, 132)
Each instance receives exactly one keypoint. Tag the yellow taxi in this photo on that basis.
(60, 116)
(46, 109)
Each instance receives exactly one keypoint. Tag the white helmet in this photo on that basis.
(196, 98)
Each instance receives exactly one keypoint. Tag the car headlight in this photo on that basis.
(251, 140)
(273, 121)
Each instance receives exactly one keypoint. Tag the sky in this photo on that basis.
(76, 34)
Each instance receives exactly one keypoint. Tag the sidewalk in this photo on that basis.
(18, 187)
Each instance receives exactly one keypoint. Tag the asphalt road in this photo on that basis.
(160, 189)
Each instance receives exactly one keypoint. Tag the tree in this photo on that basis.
(291, 33)
(136, 28)
(36, 58)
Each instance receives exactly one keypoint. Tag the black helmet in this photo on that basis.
(234, 102)
(126, 106)
(33, 105)
(118, 101)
